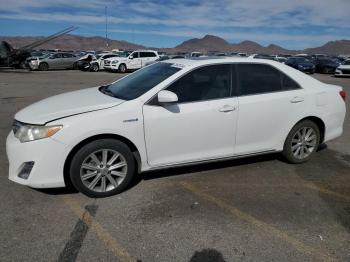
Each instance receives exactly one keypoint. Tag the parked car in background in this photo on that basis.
(196, 54)
(135, 60)
(94, 63)
(301, 63)
(326, 65)
(161, 58)
(59, 60)
(168, 114)
(343, 69)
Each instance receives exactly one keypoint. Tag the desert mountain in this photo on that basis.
(206, 44)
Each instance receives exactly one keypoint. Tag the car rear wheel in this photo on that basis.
(102, 168)
(122, 68)
(302, 142)
(43, 67)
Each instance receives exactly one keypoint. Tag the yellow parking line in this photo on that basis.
(326, 191)
(258, 223)
(111, 243)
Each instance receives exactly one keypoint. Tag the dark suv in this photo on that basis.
(326, 65)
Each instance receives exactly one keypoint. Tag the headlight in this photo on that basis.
(26, 133)
(114, 62)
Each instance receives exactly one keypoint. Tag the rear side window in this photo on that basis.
(260, 78)
(288, 83)
(147, 54)
(205, 83)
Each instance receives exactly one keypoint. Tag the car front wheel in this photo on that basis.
(102, 168)
(302, 142)
(122, 68)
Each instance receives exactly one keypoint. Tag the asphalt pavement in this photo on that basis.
(253, 209)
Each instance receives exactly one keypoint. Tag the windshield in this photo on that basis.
(141, 81)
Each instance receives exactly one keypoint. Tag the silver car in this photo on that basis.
(59, 60)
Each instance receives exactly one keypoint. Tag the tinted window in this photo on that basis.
(257, 78)
(135, 55)
(210, 82)
(147, 54)
(65, 55)
(108, 56)
(57, 56)
(288, 83)
(141, 81)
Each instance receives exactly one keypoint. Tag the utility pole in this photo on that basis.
(106, 27)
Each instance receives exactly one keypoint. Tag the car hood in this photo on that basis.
(67, 104)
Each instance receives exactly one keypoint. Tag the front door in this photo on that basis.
(135, 62)
(200, 126)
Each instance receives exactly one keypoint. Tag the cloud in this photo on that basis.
(206, 13)
(282, 20)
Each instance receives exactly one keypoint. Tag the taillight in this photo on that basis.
(342, 94)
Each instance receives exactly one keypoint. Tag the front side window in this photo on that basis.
(206, 83)
(141, 81)
(55, 56)
(135, 55)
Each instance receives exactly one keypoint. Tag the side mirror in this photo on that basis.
(165, 96)
(131, 57)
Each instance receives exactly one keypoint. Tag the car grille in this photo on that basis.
(346, 71)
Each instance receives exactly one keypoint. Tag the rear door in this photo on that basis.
(68, 60)
(147, 57)
(55, 61)
(269, 104)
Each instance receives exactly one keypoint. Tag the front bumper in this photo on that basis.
(339, 72)
(33, 66)
(111, 67)
(48, 156)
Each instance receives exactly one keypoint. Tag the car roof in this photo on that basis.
(187, 62)
(193, 63)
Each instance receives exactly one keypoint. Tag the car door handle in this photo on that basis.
(297, 99)
(227, 108)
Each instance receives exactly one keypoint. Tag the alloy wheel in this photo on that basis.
(103, 170)
(304, 142)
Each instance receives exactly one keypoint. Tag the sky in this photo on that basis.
(293, 24)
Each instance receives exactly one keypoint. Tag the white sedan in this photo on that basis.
(169, 114)
(343, 69)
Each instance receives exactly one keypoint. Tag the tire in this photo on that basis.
(43, 67)
(122, 68)
(22, 65)
(98, 178)
(325, 70)
(293, 142)
(94, 67)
